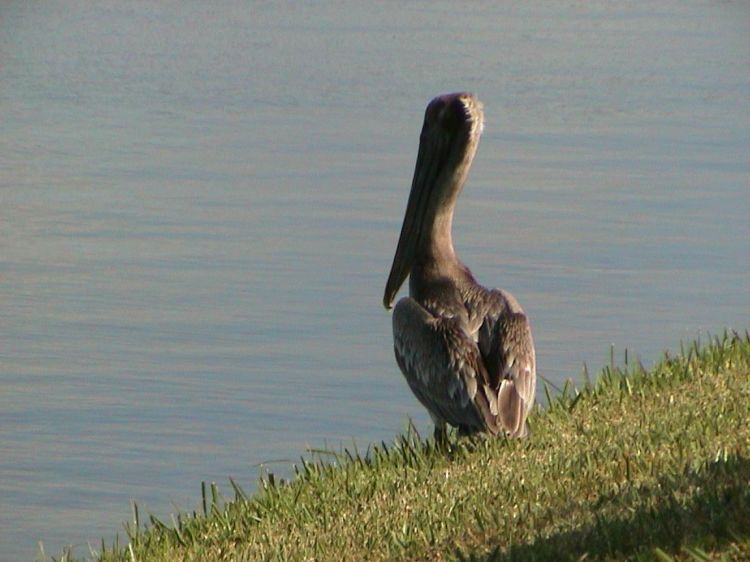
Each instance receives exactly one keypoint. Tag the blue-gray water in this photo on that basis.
(199, 204)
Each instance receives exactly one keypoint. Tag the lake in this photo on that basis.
(199, 204)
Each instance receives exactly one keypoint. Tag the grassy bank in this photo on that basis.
(637, 465)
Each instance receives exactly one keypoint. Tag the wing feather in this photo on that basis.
(511, 365)
(482, 381)
(442, 365)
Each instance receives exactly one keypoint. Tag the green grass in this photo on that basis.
(645, 466)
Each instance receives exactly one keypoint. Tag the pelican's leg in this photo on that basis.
(466, 431)
(441, 432)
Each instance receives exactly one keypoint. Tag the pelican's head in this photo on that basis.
(452, 126)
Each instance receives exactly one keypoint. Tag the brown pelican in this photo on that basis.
(466, 351)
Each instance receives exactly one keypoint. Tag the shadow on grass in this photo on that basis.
(707, 508)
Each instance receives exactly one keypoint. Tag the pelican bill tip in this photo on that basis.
(387, 302)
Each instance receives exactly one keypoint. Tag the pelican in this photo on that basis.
(466, 351)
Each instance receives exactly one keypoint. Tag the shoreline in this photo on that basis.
(636, 465)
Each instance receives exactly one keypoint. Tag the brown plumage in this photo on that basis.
(467, 352)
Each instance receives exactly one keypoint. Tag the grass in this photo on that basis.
(636, 466)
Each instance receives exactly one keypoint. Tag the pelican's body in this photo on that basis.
(466, 351)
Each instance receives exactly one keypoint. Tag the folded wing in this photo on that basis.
(450, 375)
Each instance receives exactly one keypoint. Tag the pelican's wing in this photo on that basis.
(444, 368)
(511, 365)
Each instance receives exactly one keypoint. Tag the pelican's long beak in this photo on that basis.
(425, 173)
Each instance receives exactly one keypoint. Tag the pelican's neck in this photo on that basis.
(436, 261)
(437, 244)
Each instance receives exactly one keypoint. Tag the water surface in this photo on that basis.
(199, 206)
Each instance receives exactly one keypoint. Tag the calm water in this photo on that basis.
(199, 204)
